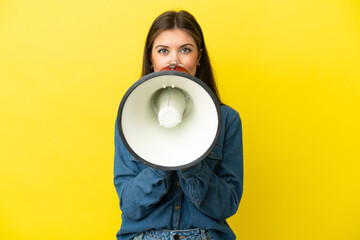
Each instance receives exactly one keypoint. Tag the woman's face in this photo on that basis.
(175, 45)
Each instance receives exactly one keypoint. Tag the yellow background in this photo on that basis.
(291, 69)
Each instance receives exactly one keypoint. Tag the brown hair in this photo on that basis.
(185, 21)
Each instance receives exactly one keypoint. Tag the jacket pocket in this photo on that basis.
(214, 157)
(216, 153)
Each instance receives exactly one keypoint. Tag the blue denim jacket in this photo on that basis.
(203, 196)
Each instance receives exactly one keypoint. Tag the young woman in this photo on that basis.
(189, 204)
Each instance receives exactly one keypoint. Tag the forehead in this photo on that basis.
(174, 37)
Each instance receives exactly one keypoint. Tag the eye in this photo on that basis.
(163, 51)
(185, 50)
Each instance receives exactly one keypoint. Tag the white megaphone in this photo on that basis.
(169, 120)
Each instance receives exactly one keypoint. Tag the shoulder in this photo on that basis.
(229, 115)
(225, 109)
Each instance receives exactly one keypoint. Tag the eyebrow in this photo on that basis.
(186, 45)
(162, 46)
(165, 46)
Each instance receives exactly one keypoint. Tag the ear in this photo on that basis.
(200, 54)
(151, 64)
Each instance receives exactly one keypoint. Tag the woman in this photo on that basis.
(185, 204)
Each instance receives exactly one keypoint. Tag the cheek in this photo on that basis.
(158, 62)
(158, 67)
(191, 65)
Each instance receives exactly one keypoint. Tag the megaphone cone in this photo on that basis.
(169, 120)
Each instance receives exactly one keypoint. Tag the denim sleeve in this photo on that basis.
(138, 191)
(218, 194)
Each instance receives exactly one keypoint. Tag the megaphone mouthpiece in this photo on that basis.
(174, 66)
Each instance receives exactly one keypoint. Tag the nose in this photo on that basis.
(174, 57)
(172, 64)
